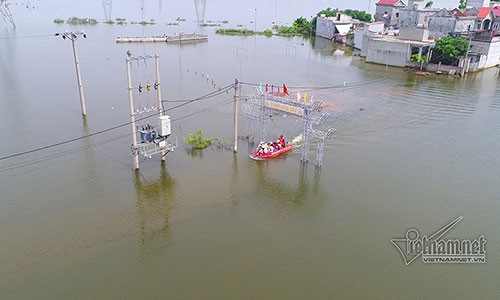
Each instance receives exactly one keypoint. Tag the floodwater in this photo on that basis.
(77, 223)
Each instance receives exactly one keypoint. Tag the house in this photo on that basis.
(447, 21)
(485, 18)
(415, 15)
(363, 32)
(334, 28)
(484, 51)
(387, 11)
(397, 51)
(470, 11)
(496, 21)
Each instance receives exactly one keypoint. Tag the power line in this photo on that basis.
(71, 151)
(211, 94)
(25, 37)
(314, 88)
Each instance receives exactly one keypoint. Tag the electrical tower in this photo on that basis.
(107, 6)
(264, 104)
(148, 139)
(200, 6)
(7, 16)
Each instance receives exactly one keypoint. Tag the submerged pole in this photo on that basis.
(132, 117)
(236, 115)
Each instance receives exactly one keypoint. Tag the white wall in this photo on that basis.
(325, 28)
(385, 52)
(490, 50)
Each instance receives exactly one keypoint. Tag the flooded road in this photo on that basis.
(76, 222)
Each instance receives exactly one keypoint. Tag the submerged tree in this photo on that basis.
(197, 140)
(449, 50)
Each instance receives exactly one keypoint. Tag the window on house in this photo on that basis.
(397, 15)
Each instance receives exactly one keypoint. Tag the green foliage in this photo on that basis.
(197, 140)
(462, 4)
(58, 21)
(416, 58)
(268, 32)
(209, 25)
(286, 31)
(121, 21)
(302, 26)
(151, 22)
(429, 4)
(358, 15)
(81, 21)
(329, 12)
(110, 22)
(449, 50)
(234, 31)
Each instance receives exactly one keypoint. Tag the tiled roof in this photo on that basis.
(457, 13)
(484, 12)
(387, 2)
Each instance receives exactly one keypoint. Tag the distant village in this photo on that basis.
(405, 34)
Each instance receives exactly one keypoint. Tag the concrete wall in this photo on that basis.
(369, 29)
(414, 34)
(465, 24)
(412, 18)
(325, 28)
(386, 52)
(392, 12)
(443, 68)
(358, 38)
(441, 26)
(490, 50)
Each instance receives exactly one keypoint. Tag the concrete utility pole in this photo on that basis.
(132, 116)
(73, 36)
(158, 95)
(236, 115)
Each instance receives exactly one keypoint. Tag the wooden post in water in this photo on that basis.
(236, 115)
(132, 116)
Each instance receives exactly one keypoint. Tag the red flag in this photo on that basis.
(285, 90)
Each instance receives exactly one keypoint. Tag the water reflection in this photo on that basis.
(304, 195)
(155, 202)
(194, 153)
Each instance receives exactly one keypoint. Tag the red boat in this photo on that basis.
(257, 155)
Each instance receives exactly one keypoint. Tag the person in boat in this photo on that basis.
(282, 141)
(270, 147)
(278, 145)
(260, 149)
